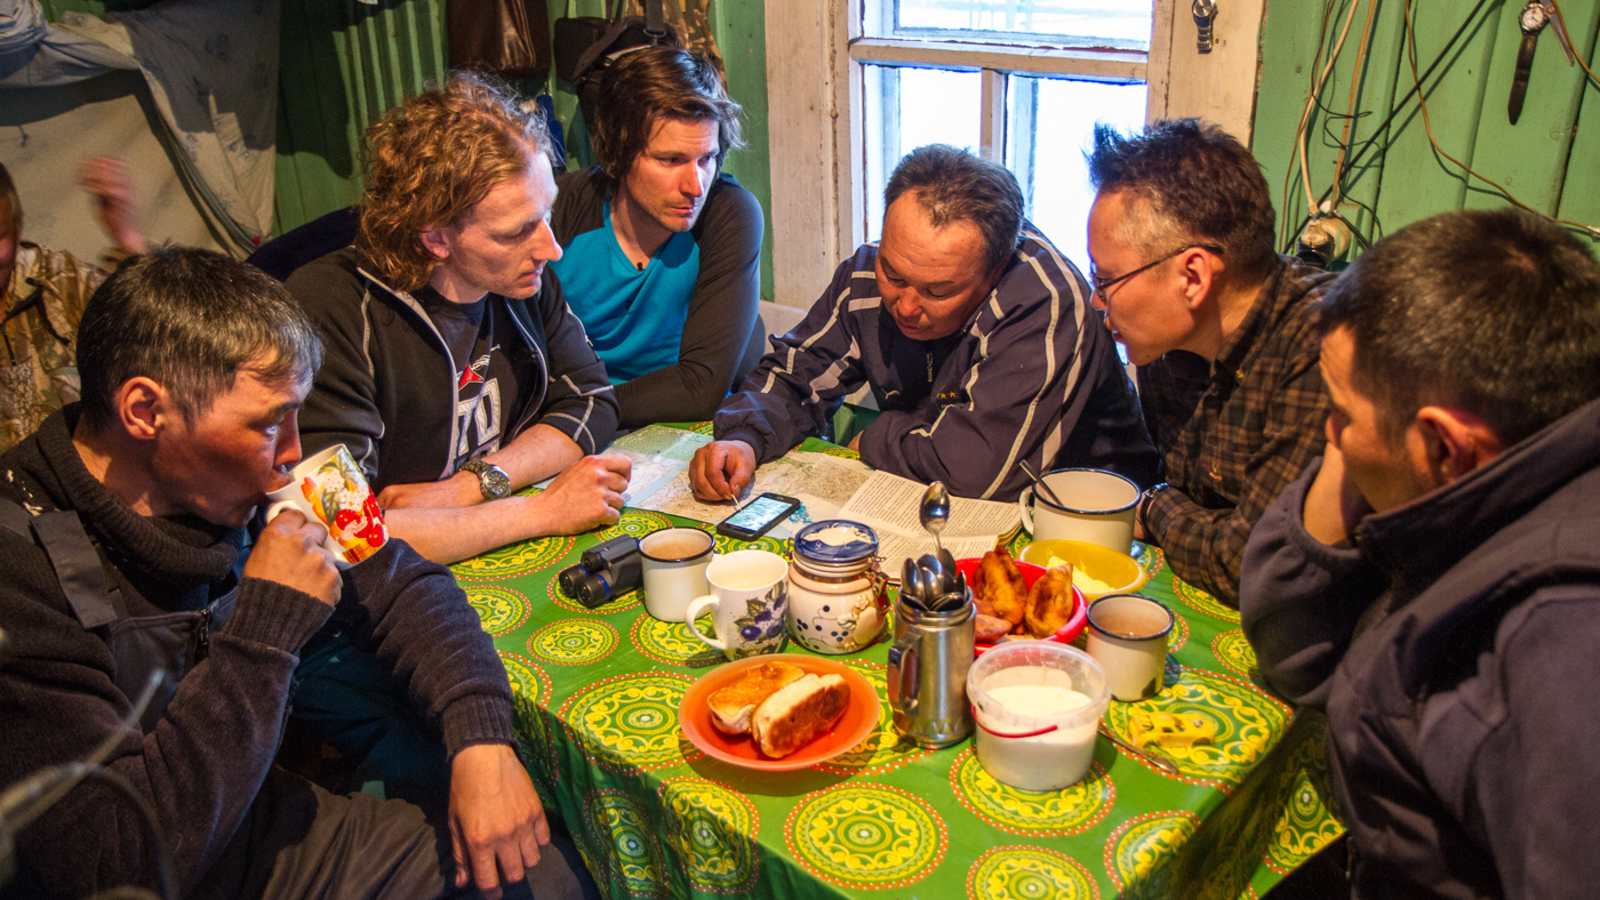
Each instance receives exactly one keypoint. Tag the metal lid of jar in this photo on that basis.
(833, 542)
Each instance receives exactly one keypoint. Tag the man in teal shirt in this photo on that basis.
(662, 260)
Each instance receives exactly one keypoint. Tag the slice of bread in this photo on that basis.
(799, 713)
(734, 703)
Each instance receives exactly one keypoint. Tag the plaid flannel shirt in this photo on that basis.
(1234, 437)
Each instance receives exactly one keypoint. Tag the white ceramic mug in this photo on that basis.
(1096, 506)
(749, 600)
(1127, 635)
(330, 488)
(674, 562)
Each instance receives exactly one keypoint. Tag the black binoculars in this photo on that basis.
(605, 571)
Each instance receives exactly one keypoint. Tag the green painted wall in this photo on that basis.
(344, 63)
(1547, 159)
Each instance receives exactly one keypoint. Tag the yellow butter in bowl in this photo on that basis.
(1096, 571)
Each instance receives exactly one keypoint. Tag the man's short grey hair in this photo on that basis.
(954, 186)
(190, 320)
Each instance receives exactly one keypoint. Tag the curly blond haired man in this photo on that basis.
(455, 373)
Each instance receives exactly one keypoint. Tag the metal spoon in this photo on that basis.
(908, 579)
(1039, 484)
(1160, 762)
(935, 511)
(933, 570)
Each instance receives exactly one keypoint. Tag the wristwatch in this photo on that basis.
(492, 480)
(1144, 503)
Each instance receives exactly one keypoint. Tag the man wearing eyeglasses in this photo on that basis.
(1222, 329)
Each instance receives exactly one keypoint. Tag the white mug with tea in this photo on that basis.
(674, 561)
(1097, 506)
(749, 602)
(330, 488)
(1127, 636)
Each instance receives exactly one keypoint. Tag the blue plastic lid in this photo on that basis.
(836, 541)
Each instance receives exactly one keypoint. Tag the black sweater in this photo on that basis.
(201, 765)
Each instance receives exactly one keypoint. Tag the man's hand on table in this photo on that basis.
(291, 551)
(1333, 503)
(721, 470)
(587, 495)
(497, 824)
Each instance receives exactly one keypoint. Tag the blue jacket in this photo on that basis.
(1456, 648)
(1034, 375)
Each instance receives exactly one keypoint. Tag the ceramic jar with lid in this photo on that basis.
(837, 601)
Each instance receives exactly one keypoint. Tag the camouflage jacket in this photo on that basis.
(38, 368)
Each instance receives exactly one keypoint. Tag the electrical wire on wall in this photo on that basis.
(1320, 211)
(1467, 172)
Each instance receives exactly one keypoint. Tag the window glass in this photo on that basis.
(1103, 23)
(1050, 127)
(906, 109)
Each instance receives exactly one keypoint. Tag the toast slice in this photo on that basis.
(734, 703)
(799, 713)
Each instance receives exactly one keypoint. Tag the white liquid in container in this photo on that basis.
(1024, 699)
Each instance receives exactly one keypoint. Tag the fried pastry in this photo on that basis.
(1050, 602)
(998, 587)
(989, 628)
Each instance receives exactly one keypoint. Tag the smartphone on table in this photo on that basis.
(758, 516)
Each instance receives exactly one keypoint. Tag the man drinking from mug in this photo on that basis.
(121, 526)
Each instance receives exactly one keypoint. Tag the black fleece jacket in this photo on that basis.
(387, 388)
(202, 764)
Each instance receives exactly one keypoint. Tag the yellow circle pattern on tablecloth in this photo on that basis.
(1135, 846)
(530, 690)
(1233, 650)
(866, 836)
(1070, 810)
(1029, 873)
(1200, 601)
(573, 642)
(528, 680)
(1305, 827)
(1303, 830)
(501, 610)
(632, 853)
(669, 642)
(630, 721)
(1236, 719)
(635, 523)
(709, 825)
(514, 560)
(881, 751)
(1180, 632)
(725, 544)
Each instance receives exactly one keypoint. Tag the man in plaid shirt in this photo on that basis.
(1223, 331)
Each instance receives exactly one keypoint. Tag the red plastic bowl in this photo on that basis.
(1030, 573)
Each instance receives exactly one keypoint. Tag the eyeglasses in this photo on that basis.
(1100, 287)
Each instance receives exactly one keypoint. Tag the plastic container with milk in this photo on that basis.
(1038, 706)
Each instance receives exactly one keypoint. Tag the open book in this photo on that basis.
(831, 487)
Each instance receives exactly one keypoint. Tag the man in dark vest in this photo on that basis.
(123, 523)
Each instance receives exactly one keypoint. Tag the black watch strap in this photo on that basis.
(1144, 504)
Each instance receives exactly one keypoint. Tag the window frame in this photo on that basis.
(816, 55)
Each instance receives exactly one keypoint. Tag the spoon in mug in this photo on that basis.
(1039, 484)
(934, 511)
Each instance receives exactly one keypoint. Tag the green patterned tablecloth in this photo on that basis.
(598, 692)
